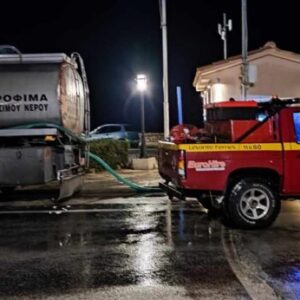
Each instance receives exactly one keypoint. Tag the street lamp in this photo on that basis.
(141, 82)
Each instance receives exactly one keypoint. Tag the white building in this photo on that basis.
(272, 72)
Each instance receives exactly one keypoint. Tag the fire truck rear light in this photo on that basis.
(181, 172)
(181, 164)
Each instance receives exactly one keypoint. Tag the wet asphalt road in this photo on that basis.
(144, 248)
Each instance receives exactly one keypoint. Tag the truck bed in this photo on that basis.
(208, 166)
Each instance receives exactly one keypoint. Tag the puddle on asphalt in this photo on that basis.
(63, 253)
(77, 207)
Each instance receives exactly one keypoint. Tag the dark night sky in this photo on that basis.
(119, 38)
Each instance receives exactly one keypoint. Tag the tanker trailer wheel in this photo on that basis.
(252, 204)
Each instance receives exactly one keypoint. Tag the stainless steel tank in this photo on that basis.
(41, 88)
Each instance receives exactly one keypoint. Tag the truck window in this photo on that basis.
(101, 130)
(296, 117)
(113, 129)
(128, 128)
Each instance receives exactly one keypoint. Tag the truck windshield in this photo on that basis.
(296, 117)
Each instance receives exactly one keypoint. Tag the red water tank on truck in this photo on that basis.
(243, 162)
(44, 110)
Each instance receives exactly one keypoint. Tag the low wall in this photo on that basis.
(152, 138)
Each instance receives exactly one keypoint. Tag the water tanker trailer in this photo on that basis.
(44, 113)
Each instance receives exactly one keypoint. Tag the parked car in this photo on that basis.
(116, 132)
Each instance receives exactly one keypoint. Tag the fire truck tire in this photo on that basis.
(252, 204)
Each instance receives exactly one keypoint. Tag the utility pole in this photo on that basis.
(245, 64)
(222, 30)
(163, 20)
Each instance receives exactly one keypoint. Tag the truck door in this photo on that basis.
(292, 152)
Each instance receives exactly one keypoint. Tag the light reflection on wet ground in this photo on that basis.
(143, 243)
(277, 250)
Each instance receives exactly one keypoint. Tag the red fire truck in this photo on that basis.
(243, 162)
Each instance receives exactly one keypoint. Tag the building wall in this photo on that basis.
(224, 84)
(275, 76)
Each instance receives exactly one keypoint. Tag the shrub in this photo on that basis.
(113, 152)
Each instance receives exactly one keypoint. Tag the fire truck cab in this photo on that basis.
(243, 162)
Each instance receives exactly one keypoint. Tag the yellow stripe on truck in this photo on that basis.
(291, 147)
(230, 147)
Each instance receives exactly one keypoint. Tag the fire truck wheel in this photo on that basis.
(252, 203)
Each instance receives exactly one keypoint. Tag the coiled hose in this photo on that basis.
(97, 159)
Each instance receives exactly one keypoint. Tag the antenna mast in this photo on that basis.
(222, 30)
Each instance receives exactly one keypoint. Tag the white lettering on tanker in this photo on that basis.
(210, 165)
(11, 103)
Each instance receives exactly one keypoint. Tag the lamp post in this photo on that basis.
(141, 81)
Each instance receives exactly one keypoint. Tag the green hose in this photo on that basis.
(132, 185)
(70, 133)
(97, 159)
